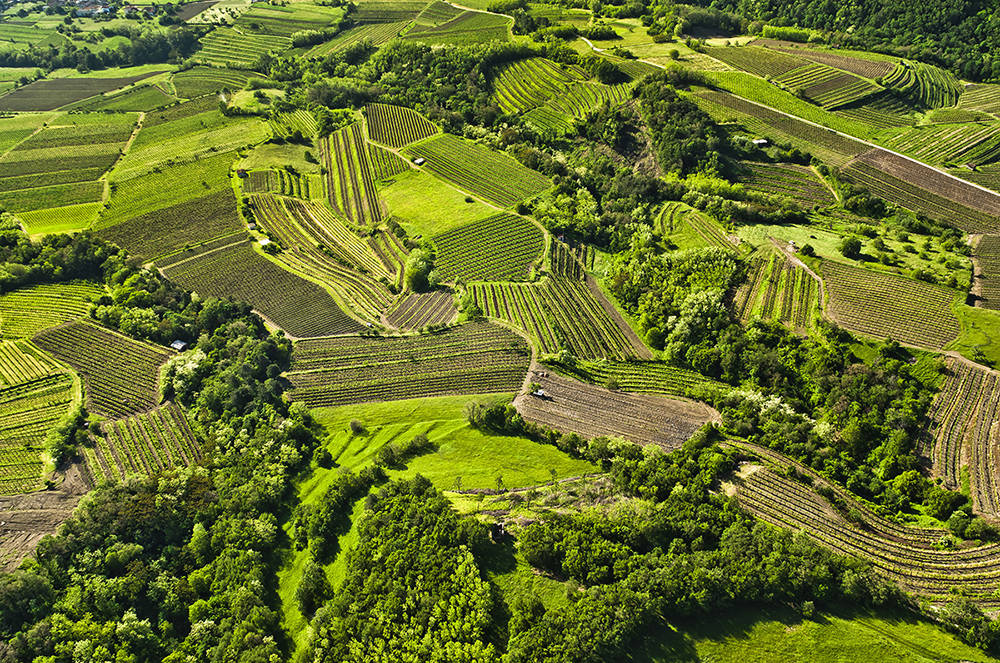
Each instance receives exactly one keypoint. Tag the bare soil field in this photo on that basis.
(590, 410)
(26, 518)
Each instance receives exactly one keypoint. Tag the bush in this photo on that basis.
(314, 588)
(323, 458)
(63, 440)
(850, 247)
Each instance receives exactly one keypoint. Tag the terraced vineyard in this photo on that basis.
(757, 60)
(121, 375)
(286, 125)
(500, 248)
(397, 126)
(907, 555)
(982, 97)
(350, 180)
(375, 34)
(565, 261)
(22, 361)
(778, 290)
(857, 65)
(469, 27)
(589, 410)
(28, 410)
(437, 12)
(388, 12)
(925, 189)
(144, 444)
(925, 84)
(54, 93)
(559, 313)
(421, 309)
(199, 81)
(797, 182)
(520, 305)
(987, 254)
(974, 143)
(266, 19)
(829, 146)
(276, 181)
(226, 46)
(874, 114)
(386, 164)
(967, 432)
(885, 305)
(525, 84)
(828, 87)
(578, 100)
(138, 98)
(318, 245)
(647, 377)
(26, 311)
(193, 222)
(237, 271)
(60, 165)
(491, 175)
(475, 358)
(675, 216)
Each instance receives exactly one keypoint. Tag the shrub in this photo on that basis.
(850, 247)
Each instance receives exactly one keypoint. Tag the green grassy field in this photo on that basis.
(464, 452)
(427, 206)
(476, 458)
(980, 331)
(756, 635)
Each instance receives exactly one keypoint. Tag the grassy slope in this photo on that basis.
(271, 155)
(463, 452)
(427, 206)
(980, 329)
(757, 636)
(827, 241)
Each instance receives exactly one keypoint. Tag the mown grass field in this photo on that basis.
(427, 206)
(772, 636)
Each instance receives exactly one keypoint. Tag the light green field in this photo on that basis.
(980, 330)
(427, 206)
(113, 72)
(464, 452)
(272, 155)
(70, 218)
(220, 10)
(477, 458)
(247, 101)
(750, 636)
(149, 155)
